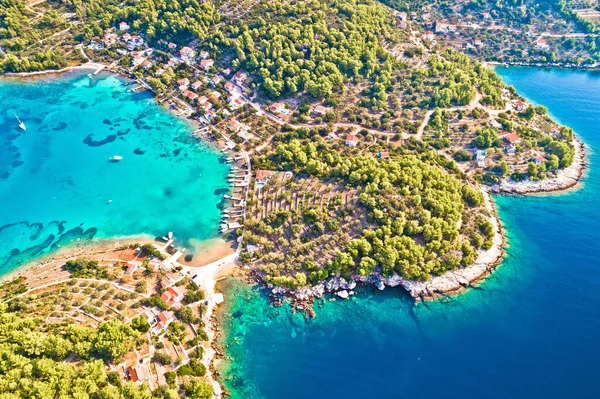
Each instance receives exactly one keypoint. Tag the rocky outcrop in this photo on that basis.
(565, 178)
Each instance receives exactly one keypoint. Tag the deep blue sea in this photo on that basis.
(531, 330)
(57, 185)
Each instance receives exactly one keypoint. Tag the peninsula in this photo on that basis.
(363, 149)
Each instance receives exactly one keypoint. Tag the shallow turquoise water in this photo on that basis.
(529, 331)
(56, 180)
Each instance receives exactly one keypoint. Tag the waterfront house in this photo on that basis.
(138, 373)
(169, 279)
(207, 64)
(518, 105)
(351, 140)
(187, 54)
(263, 176)
(542, 44)
(123, 26)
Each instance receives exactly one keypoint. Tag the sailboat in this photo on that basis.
(21, 124)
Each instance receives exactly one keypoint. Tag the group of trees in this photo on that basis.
(33, 359)
(414, 210)
(313, 46)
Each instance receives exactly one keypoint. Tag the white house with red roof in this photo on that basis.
(171, 46)
(429, 35)
(207, 64)
(169, 279)
(519, 105)
(540, 159)
(174, 295)
(542, 44)
(277, 108)
(163, 319)
(321, 110)
(196, 85)
(231, 88)
(124, 26)
(138, 373)
(240, 77)
(351, 140)
(183, 84)
(263, 176)
(512, 138)
(190, 95)
(204, 54)
(234, 125)
(187, 54)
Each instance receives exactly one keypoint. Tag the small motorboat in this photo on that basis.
(21, 124)
(115, 158)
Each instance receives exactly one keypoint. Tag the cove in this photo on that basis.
(57, 185)
(529, 330)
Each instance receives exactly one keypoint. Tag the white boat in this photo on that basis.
(21, 124)
(170, 235)
(116, 158)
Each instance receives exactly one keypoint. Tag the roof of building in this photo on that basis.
(512, 138)
(139, 373)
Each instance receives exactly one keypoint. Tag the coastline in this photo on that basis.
(87, 66)
(75, 249)
(565, 179)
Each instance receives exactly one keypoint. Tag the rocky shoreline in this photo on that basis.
(565, 179)
(450, 282)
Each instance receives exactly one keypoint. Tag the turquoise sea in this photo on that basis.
(57, 185)
(531, 330)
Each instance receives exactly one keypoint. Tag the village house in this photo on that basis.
(542, 44)
(196, 85)
(383, 155)
(207, 64)
(187, 54)
(96, 44)
(510, 149)
(163, 319)
(429, 35)
(138, 373)
(138, 59)
(183, 84)
(131, 267)
(204, 54)
(402, 16)
(486, 15)
(235, 102)
(226, 71)
(413, 15)
(215, 80)
(109, 39)
(351, 140)
(477, 43)
(278, 108)
(123, 26)
(174, 295)
(169, 279)
(172, 46)
(159, 72)
(126, 37)
(321, 110)
(240, 77)
(231, 88)
(512, 138)
(441, 27)
(538, 160)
